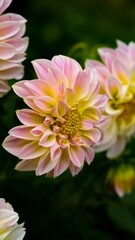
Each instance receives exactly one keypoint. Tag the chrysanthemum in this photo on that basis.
(117, 78)
(62, 125)
(12, 46)
(9, 228)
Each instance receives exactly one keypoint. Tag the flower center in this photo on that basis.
(71, 124)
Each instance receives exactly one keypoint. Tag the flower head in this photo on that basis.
(117, 79)
(12, 46)
(9, 228)
(121, 179)
(60, 129)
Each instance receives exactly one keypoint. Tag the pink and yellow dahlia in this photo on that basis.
(9, 228)
(12, 46)
(117, 79)
(63, 124)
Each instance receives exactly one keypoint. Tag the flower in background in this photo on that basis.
(12, 46)
(63, 124)
(117, 79)
(9, 228)
(121, 179)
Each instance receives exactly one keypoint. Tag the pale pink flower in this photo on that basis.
(9, 228)
(60, 129)
(12, 46)
(117, 79)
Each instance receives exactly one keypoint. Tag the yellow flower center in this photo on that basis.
(71, 124)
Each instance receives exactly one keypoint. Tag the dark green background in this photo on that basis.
(67, 207)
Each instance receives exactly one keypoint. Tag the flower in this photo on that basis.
(117, 79)
(9, 228)
(12, 46)
(64, 121)
(121, 179)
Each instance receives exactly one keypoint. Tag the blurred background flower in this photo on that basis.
(9, 228)
(12, 46)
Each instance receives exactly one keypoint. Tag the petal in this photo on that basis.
(27, 165)
(74, 170)
(113, 88)
(22, 132)
(8, 218)
(81, 85)
(4, 5)
(60, 109)
(62, 164)
(94, 134)
(21, 89)
(45, 165)
(6, 51)
(68, 66)
(86, 124)
(107, 55)
(41, 67)
(46, 103)
(31, 150)
(132, 51)
(15, 71)
(38, 130)
(4, 88)
(70, 97)
(55, 151)
(93, 114)
(29, 117)
(89, 154)
(48, 139)
(17, 233)
(76, 155)
(121, 72)
(13, 145)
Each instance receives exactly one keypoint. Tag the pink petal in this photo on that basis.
(21, 90)
(81, 85)
(13, 145)
(122, 45)
(59, 110)
(4, 5)
(89, 154)
(27, 165)
(13, 72)
(86, 124)
(93, 63)
(55, 151)
(74, 170)
(22, 132)
(121, 72)
(31, 150)
(8, 29)
(113, 88)
(76, 155)
(48, 139)
(38, 130)
(68, 66)
(29, 117)
(62, 164)
(6, 51)
(132, 51)
(94, 134)
(45, 165)
(41, 67)
(107, 55)
(20, 44)
(45, 103)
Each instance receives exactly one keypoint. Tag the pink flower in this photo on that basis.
(60, 129)
(117, 79)
(12, 46)
(9, 228)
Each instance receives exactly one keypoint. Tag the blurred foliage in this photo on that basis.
(81, 207)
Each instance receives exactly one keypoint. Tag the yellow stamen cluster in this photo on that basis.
(72, 123)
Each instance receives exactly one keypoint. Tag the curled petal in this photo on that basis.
(48, 138)
(55, 151)
(22, 132)
(113, 88)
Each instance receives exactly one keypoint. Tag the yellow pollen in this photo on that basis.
(72, 123)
